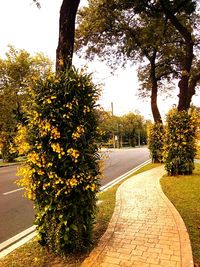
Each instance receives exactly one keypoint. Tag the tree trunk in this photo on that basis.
(184, 102)
(154, 106)
(185, 96)
(154, 90)
(184, 92)
(64, 52)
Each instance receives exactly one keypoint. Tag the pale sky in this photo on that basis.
(36, 30)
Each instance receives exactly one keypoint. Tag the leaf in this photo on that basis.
(65, 237)
(74, 227)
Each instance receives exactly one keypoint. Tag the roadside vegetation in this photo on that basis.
(184, 193)
(32, 254)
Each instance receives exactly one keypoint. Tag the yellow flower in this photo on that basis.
(91, 187)
(45, 128)
(86, 109)
(66, 116)
(34, 158)
(40, 172)
(79, 131)
(55, 134)
(56, 148)
(73, 153)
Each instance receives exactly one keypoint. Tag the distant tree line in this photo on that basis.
(119, 131)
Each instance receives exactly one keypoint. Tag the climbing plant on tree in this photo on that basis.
(62, 171)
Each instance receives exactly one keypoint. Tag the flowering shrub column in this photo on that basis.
(155, 138)
(179, 149)
(61, 174)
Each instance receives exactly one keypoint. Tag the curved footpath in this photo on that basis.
(145, 230)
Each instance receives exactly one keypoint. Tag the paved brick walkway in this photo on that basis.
(145, 230)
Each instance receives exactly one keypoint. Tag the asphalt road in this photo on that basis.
(16, 212)
(120, 161)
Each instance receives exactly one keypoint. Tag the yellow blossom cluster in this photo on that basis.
(26, 181)
(35, 116)
(40, 172)
(74, 154)
(58, 149)
(91, 187)
(20, 141)
(69, 106)
(46, 128)
(86, 109)
(66, 116)
(49, 99)
(55, 177)
(36, 159)
(77, 134)
(55, 134)
(72, 182)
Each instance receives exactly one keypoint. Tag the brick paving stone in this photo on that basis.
(145, 230)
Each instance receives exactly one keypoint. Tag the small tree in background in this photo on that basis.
(61, 174)
(180, 148)
(16, 71)
(155, 137)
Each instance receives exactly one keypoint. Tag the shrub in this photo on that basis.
(155, 133)
(61, 174)
(179, 149)
(6, 144)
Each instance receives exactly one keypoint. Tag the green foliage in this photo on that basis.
(133, 127)
(156, 141)
(16, 72)
(130, 128)
(63, 162)
(121, 31)
(179, 150)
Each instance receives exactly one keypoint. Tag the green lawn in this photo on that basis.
(33, 255)
(184, 193)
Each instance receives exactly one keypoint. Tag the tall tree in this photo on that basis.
(184, 16)
(112, 31)
(163, 32)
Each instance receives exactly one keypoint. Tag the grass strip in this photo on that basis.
(184, 193)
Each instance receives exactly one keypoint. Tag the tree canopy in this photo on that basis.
(158, 34)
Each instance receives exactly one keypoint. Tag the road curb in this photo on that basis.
(10, 165)
(16, 241)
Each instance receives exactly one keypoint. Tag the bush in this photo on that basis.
(179, 149)
(155, 133)
(61, 174)
(6, 144)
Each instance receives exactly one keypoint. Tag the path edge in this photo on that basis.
(185, 244)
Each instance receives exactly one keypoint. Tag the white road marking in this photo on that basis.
(13, 191)
(123, 176)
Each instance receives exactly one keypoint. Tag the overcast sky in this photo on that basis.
(36, 30)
